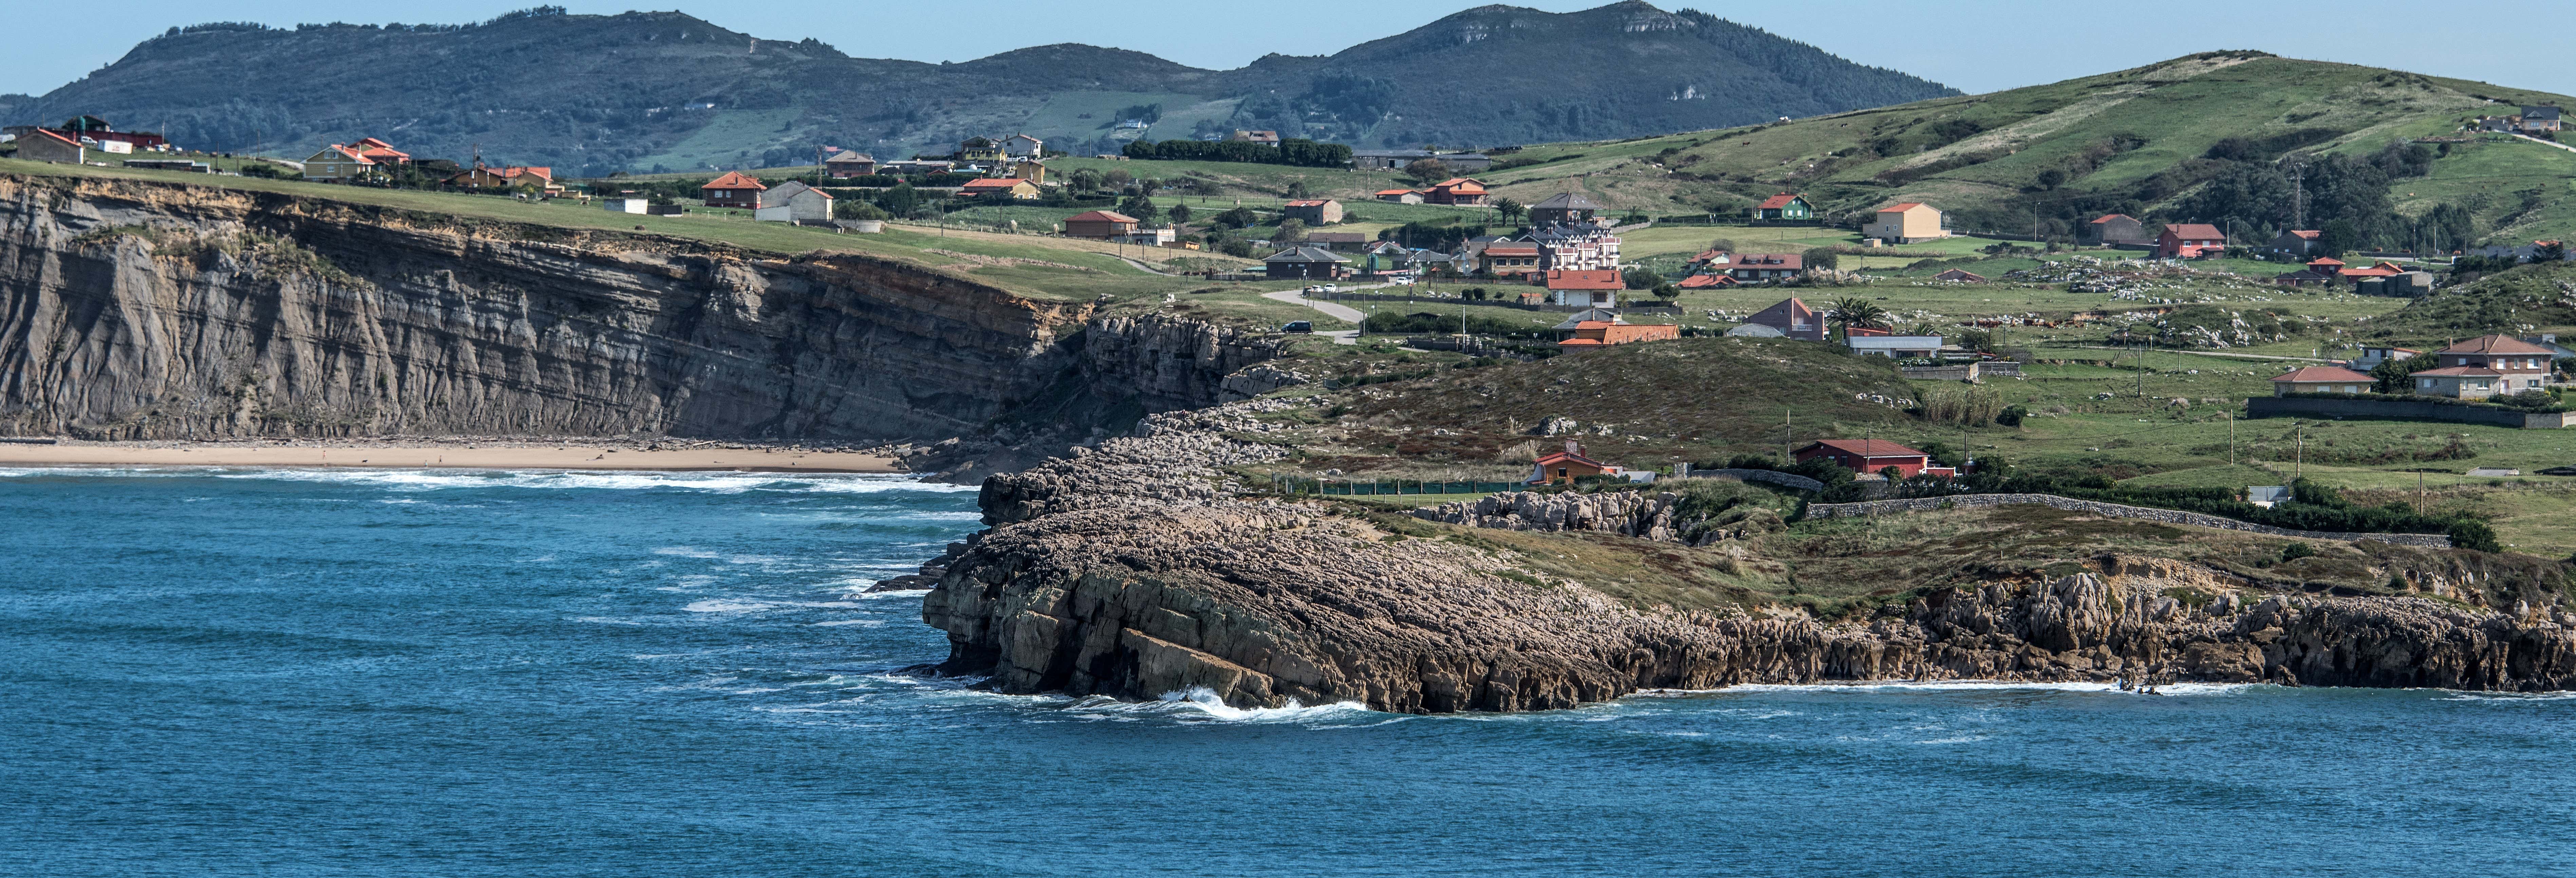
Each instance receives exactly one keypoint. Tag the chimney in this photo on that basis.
(1573, 447)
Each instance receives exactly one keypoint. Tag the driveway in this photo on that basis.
(1330, 309)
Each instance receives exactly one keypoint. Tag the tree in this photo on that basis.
(1297, 188)
(854, 209)
(1722, 245)
(1237, 218)
(1148, 186)
(1180, 213)
(1856, 311)
(1427, 170)
(2338, 237)
(1822, 257)
(1086, 179)
(1290, 231)
(2052, 178)
(1509, 210)
(2398, 376)
(1117, 178)
(1140, 207)
(900, 200)
(2549, 251)
(1638, 277)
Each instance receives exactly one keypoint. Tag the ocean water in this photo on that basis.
(299, 673)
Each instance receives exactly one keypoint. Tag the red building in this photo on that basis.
(1590, 334)
(2190, 241)
(1872, 456)
(734, 189)
(1102, 224)
(1456, 190)
(1563, 467)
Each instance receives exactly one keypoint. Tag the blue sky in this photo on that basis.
(1973, 45)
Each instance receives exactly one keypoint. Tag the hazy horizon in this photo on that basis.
(2018, 43)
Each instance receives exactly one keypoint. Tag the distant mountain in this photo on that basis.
(646, 90)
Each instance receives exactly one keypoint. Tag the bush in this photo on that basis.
(1294, 151)
(1822, 257)
(2011, 416)
(1443, 324)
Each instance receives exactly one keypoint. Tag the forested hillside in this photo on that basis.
(647, 90)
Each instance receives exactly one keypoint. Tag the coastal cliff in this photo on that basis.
(1136, 570)
(139, 310)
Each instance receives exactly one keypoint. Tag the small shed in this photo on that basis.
(794, 202)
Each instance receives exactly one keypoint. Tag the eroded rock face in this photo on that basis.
(132, 310)
(1133, 571)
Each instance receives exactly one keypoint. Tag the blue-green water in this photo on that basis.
(460, 674)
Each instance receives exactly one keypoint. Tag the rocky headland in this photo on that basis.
(1138, 568)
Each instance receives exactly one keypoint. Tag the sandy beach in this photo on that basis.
(478, 456)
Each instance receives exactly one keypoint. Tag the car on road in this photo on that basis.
(1299, 326)
(1331, 288)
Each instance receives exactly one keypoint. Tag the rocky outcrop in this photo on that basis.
(137, 310)
(1657, 516)
(2109, 510)
(1135, 570)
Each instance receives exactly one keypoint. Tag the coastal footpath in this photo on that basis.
(1138, 569)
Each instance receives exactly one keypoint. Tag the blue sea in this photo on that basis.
(293, 673)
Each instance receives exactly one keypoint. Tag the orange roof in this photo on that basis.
(1511, 251)
(2496, 344)
(2109, 217)
(1779, 201)
(385, 152)
(370, 141)
(1100, 216)
(1554, 456)
(1868, 447)
(1596, 279)
(2310, 234)
(2373, 271)
(1382, 193)
(353, 154)
(1461, 184)
(2195, 231)
(1704, 281)
(2462, 372)
(2325, 260)
(57, 137)
(547, 174)
(2316, 374)
(734, 180)
(994, 183)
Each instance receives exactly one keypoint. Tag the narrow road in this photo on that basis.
(1335, 311)
(2548, 143)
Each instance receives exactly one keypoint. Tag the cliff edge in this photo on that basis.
(1137, 569)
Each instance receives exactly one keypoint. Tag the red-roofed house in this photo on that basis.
(1706, 282)
(1603, 333)
(1563, 467)
(734, 189)
(2190, 241)
(338, 164)
(2516, 365)
(1011, 186)
(542, 179)
(2382, 269)
(1400, 196)
(1509, 260)
(2296, 242)
(41, 145)
(380, 152)
(1313, 211)
(1100, 224)
(1873, 456)
(2114, 229)
(2320, 379)
(1593, 288)
(1784, 206)
(1456, 190)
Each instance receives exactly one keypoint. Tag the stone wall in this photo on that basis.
(2321, 407)
(2115, 510)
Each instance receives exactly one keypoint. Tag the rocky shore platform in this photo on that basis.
(1138, 569)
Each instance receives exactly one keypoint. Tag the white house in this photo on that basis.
(792, 202)
(625, 205)
(1023, 148)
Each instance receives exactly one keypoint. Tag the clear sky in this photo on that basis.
(1972, 45)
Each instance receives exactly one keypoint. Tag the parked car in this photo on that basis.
(1329, 288)
(1299, 326)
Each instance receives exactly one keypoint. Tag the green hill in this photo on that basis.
(590, 94)
(2200, 138)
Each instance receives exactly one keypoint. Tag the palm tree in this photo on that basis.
(1509, 210)
(1856, 311)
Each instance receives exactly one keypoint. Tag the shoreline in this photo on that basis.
(505, 454)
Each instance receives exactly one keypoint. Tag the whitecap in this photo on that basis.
(722, 605)
(865, 623)
(1199, 703)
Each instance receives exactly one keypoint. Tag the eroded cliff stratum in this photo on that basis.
(135, 310)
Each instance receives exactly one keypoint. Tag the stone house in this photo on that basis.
(1313, 211)
(847, 164)
(2115, 229)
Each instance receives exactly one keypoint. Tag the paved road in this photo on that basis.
(2548, 143)
(1334, 310)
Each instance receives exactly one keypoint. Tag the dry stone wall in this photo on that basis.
(2114, 510)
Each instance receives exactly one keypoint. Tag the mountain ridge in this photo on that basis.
(646, 89)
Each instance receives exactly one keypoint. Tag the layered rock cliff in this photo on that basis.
(1135, 570)
(133, 310)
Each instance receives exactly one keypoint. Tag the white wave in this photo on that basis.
(2507, 696)
(2170, 690)
(866, 623)
(1199, 703)
(721, 605)
(900, 593)
(1966, 739)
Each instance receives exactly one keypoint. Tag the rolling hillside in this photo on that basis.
(638, 91)
(2152, 141)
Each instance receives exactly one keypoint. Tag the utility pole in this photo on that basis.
(2299, 465)
(2231, 437)
(1788, 434)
